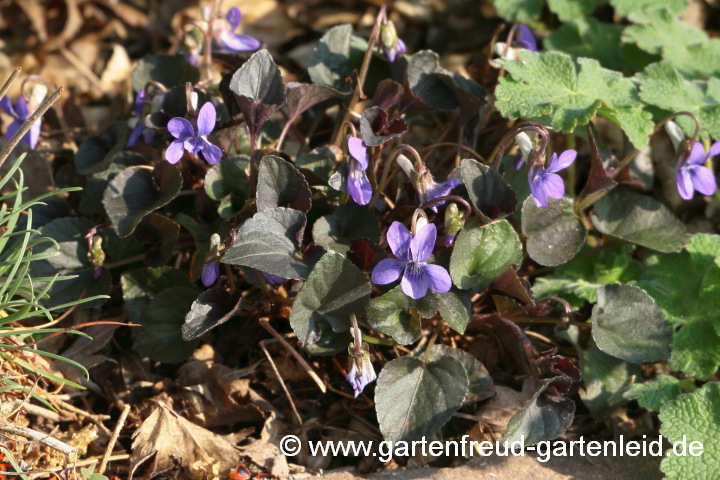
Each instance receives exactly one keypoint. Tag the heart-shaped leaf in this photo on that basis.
(302, 96)
(91, 201)
(555, 234)
(542, 418)
(163, 233)
(489, 192)
(347, 222)
(639, 219)
(169, 70)
(414, 399)
(211, 309)
(228, 182)
(140, 285)
(137, 191)
(270, 242)
(330, 59)
(159, 337)
(481, 385)
(71, 260)
(425, 85)
(387, 94)
(377, 128)
(627, 324)
(398, 315)
(482, 253)
(334, 289)
(280, 184)
(95, 154)
(258, 89)
(509, 283)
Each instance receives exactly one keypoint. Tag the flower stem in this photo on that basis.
(358, 92)
(507, 140)
(384, 179)
(572, 174)
(449, 198)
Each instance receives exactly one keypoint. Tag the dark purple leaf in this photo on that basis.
(508, 282)
(377, 128)
(598, 183)
(162, 233)
(387, 94)
(489, 192)
(302, 96)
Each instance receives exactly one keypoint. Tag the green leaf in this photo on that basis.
(212, 308)
(626, 7)
(480, 382)
(162, 233)
(518, 10)
(663, 389)
(696, 349)
(657, 28)
(489, 192)
(588, 37)
(398, 315)
(330, 59)
(554, 234)
(606, 378)
(169, 70)
(697, 61)
(91, 201)
(426, 85)
(693, 417)
(570, 92)
(159, 337)
(639, 219)
(228, 182)
(568, 10)
(482, 252)
(137, 191)
(97, 152)
(269, 242)
(414, 399)
(280, 184)
(589, 270)
(663, 86)
(628, 325)
(140, 285)
(71, 259)
(334, 289)
(540, 418)
(346, 223)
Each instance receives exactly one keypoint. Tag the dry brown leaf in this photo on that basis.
(267, 456)
(166, 439)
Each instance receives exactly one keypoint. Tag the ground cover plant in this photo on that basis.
(359, 239)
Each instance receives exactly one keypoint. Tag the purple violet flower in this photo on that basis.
(524, 38)
(425, 185)
(210, 273)
(227, 39)
(192, 141)
(20, 113)
(140, 128)
(546, 183)
(358, 184)
(693, 175)
(360, 371)
(392, 53)
(413, 253)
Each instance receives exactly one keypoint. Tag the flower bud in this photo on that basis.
(676, 134)
(193, 39)
(388, 35)
(360, 368)
(96, 255)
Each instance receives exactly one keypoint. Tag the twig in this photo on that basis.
(9, 82)
(113, 439)
(25, 127)
(95, 418)
(83, 463)
(82, 68)
(45, 439)
(280, 379)
(265, 323)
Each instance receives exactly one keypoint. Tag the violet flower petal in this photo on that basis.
(180, 128)
(697, 155)
(274, 279)
(234, 18)
(703, 179)
(684, 183)
(206, 119)
(387, 271)
(358, 150)
(238, 42)
(535, 181)
(21, 108)
(714, 149)
(13, 128)
(415, 282)
(174, 151)
(211, 153)
(553, 185)
(7, 106)
(562, 162)
(438, 277)
(136, 133)
(210, 273)
(34, 134)
(399, 237)
(525, 38)
(423, 243)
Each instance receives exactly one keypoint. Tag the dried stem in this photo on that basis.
(280, 379)
(9, 82)
(113, 439)
(44, 107)
(12, 429)
(265, 323)
(358, 93)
